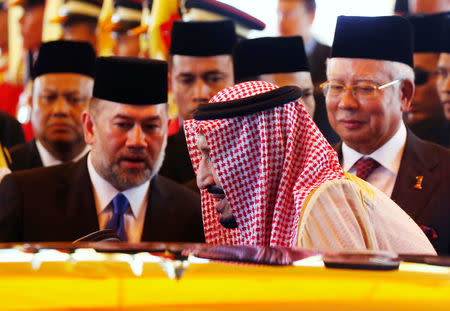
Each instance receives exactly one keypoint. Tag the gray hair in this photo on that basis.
(395, 70)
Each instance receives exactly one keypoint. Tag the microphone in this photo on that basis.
(106, 235)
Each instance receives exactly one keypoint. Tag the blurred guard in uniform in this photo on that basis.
(124, 23)
(211, 10)
(79, 19)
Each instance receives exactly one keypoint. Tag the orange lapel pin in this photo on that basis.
(418, 184)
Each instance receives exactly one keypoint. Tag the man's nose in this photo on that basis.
(204, 175)
(136, 137)
(202, 90)
(348, 100)
(61, 107)
(447, 84)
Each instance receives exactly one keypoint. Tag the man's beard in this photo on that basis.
(123, 179)
(228, 222)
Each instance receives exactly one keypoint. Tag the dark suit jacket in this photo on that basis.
(429, 206)
(11, 132)
(25, 156)
(177, 163)
(57, 204)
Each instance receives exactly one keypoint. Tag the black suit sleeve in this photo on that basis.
(10, 210)
(11, 132)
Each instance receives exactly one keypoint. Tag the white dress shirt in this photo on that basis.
(389, 156)
(48, 159)
(104, 192)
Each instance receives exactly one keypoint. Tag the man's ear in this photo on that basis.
(88, 127)
(407, 89)
(312, 16)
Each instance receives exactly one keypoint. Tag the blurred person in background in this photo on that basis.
(63, 81)
(279, 60)
(429, 6)
(443, 80)
(10, 83)
(79, 19)
(295, 18)
(125, 28)
(425, 116)
(31, 24)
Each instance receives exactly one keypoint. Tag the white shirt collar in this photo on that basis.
(389, 155)
(105, 192)
(48, 159)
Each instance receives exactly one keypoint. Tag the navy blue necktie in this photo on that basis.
(117, 222)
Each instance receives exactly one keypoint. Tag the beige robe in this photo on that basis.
(350, 214)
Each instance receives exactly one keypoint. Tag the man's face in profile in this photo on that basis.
(443, 82)
(425, 104)
(207, 179)
(31, 26)
(194, 80)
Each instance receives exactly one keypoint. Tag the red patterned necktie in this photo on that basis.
(365, 166)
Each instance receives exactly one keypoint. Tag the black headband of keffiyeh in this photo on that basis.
(248, 105)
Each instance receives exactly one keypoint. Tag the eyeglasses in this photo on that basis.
(72, 99)
(362, 91)
(422, 76)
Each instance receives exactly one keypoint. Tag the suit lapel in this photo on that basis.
(35, 158)
(415, 164)
(157, 214)
(338, 148)
(76, 193)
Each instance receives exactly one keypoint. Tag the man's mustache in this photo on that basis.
(229, 222)
(215, 190)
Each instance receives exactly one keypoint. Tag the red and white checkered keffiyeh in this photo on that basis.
(268, 163)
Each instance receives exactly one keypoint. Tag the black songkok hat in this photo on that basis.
(445, 37)
(132, 81)
(427, 32)
(381, 38)
(203, 38)
(269, 55)
(65, 57)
